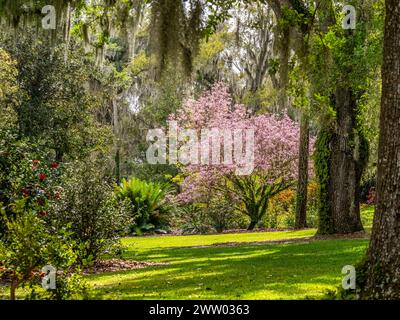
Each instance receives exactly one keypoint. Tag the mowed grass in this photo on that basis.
(244, 271)
(146, 243)
(230, 266)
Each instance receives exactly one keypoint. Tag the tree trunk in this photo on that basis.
(59, 155)
(341, 154)
(116, 128)
(302, 181)
(382, 267)
(347, 165)
(13, 288)
(252, 225)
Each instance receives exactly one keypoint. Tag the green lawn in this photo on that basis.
(146, 243)
(273, 271)
(210, 267)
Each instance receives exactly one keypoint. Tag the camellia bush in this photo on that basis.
(276, 145)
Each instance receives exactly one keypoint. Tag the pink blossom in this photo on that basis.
(276, 141)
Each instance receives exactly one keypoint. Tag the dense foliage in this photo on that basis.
(150, 207)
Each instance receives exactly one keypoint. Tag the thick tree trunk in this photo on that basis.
(340, 160)
(302, 182)
(284, 56)
(347, 165)
(382, 267)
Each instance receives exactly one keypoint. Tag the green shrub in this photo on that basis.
(71, 287)
(87, 202)
(150, 208)
(192, 218)
(223, 215)
(281, 209)
(29, 245)
(218, 215)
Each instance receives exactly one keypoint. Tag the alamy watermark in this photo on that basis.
(350, 18)
(349, 281)
(49, 21)
(228, 147)
(49, 278)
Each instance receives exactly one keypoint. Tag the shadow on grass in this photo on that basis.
(288, 271)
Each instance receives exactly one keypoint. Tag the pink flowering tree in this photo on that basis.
(274, 154)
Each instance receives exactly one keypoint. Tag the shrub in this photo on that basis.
(222, 212)
(193, 219)
(22, 175)
(281, 208)
(29, 245)
(68, 287)
(87, 202)
(150, 207)
(312, 205)
(218, 214)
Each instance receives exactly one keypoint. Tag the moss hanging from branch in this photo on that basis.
(17, 14)
(322, 159)
(176, 32)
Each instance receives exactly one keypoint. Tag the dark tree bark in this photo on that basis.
(348, 162)
(252, 225)
(346, 157)
(59, 155)
(382, 267)
(341, 154)
(302, 182)
(13, 288)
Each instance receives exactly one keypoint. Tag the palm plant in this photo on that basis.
(148, 201)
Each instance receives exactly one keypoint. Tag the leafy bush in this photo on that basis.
(223, 214)
(150, 207)
(21, 177)
(192, 218)
(29, 245)
(281, 209)
(68, 287)
(218, 214)
(87, 202)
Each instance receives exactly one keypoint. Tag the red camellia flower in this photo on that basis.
(44, 213)
(55, 165)
(42, 176)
